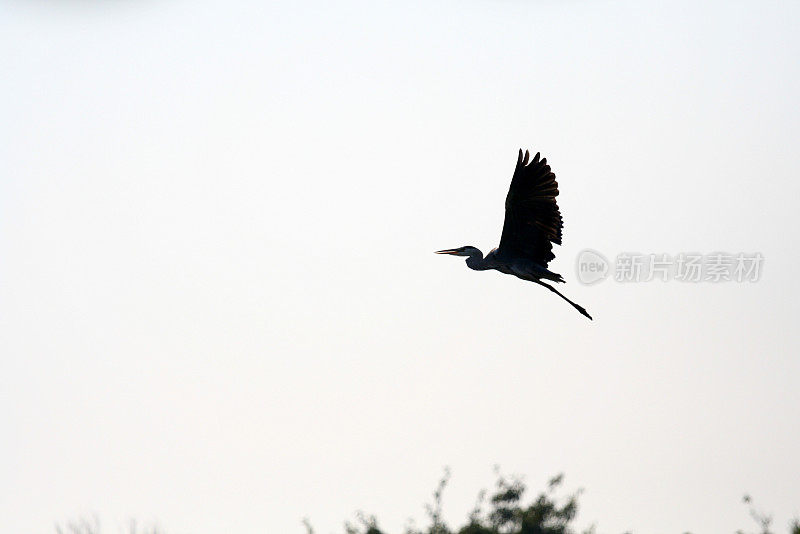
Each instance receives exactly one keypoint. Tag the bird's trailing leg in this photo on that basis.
(576, 306)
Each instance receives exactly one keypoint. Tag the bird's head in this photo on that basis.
(461, 251)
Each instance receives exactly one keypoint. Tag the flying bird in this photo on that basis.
(533, 223)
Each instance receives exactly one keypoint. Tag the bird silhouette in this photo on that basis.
(533, 223)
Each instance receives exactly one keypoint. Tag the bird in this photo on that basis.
(532, 224)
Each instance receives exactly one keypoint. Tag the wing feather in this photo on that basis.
(533, 221)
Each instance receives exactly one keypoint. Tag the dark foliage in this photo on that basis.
(508, 513)
(504, 512)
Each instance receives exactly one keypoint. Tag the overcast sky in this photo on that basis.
(219, 304)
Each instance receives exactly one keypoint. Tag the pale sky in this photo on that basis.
(220, 310)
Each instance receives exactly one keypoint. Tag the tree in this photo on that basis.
(507, 513)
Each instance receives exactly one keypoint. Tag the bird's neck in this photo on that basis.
(476, 262)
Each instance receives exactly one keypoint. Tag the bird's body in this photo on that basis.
(519, 267)
(532, 223)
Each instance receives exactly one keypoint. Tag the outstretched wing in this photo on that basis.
(533, 221)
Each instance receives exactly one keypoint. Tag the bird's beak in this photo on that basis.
(447, 251)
